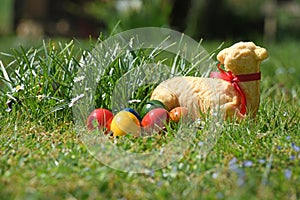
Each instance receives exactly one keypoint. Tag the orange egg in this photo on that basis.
(178, 113)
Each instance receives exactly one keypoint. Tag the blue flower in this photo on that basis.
(292, 157)
(278, 147)
(288, 174)
(232, 162)
(215, 175)
(233, 166)
(295, 147)
(248, 163)
(200, 144)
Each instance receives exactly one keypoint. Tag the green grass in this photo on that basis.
(42, 156)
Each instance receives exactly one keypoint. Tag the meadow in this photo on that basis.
(43, 157)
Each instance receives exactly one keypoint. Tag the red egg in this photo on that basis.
(150, 105)
(178, 113)
(100, 118)
(155, 120)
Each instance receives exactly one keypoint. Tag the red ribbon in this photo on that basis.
(234, 79)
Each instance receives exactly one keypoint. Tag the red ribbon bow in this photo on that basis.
(234, 79)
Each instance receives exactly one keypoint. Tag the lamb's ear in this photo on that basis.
(222, 55)
(261, 53)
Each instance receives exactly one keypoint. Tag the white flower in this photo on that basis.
(77, 79)
(18, 88)
(134, 101)
(40, 97)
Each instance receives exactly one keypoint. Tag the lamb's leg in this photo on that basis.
(166, 96)
(231, 110)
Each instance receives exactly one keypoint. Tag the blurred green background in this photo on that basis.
(271, 20)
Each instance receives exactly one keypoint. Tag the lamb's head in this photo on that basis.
(242, 58)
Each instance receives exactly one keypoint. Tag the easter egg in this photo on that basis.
(100, 118)
(155, 120)
(125, 122)
(133, 112)
(178, 113)
(150, 105)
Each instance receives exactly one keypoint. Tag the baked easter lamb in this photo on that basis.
(232, 92)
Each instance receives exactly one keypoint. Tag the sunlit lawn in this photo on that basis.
(42, 157)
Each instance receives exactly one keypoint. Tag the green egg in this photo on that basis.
(150, 105)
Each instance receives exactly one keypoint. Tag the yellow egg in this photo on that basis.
(124, 123)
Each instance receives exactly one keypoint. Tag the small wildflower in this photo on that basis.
(18, 88)
(200, 144)
(248, 163)
(292, 157)
(262, 161)
(215, 175)
(134, 101)
(41, 97)
(295, 147)
(279, 147)
(287, 174)
(285, 113)
(232, 161)
(78, 79)
(288, 137)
